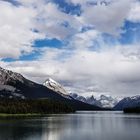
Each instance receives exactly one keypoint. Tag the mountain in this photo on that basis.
(78, 97)
(14, 85)
(128, 102)
(57, 87)
(104, 101)
(107, 101)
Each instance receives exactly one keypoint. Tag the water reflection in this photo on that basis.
(79, 126)
(20, 130)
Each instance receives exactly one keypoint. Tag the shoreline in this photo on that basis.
(4, 115)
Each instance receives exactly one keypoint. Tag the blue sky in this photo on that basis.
(87, 45)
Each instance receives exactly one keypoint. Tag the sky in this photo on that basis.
(89, 46)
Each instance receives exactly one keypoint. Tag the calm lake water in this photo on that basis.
(78, 126)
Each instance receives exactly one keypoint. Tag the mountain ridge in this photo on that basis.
(128, 102)
(105, 101)
(102, 101)
(14, 85)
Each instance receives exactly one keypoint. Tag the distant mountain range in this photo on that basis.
(104, 101)
(14, 85)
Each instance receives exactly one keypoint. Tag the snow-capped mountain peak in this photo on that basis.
(128, 102)
(108, 101)
(101, 101)
(55, 86)
(7, 76)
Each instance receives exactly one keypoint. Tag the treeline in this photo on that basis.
(40, 106)
(132, 110)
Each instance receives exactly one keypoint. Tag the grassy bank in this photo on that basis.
(2, 115)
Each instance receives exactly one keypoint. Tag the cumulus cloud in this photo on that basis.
(22, 24)
(56, 24)
(84, 39)
(31, 20)
(134, 14)
(16, 33)
(108, 15)
(104, 16)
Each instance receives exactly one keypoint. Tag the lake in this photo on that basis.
(105, 125)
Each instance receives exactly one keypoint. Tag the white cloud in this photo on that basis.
(16, 33)
(19, 22)
(134, 14)
(107, 18)
(84, 39)
(54, 21)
